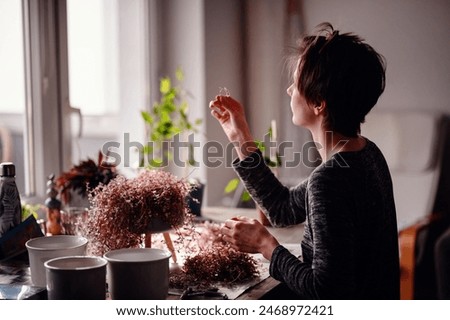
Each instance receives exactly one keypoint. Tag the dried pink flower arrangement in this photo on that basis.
(213, 262)
(122, 211)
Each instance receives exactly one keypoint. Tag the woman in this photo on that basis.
(350, 248)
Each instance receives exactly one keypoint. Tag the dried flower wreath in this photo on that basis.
(122, 211)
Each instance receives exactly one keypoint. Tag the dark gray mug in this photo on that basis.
(76, 278)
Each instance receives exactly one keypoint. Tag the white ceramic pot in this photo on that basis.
(138, 274)
(43, 249)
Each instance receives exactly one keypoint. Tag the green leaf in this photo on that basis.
(278, 159)
(246, 196)
(183, 115)
(156, 162)
(270, 132)
(169, 97)
(174, 130)
(165, 118)
(184, 107)
(169, 155)
(155, 136)
(191, 159)
(156, 108)
(147, 117)
(147, 149)
(29, 209)
(164, 85)
(271, 163)
(179, 74)
(260, 145)
(232, 185)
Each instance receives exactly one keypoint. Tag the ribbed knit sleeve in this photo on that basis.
(283, 206)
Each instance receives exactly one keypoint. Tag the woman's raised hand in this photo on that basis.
(231, 117)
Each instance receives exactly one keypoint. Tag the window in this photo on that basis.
(92, 29)
(108, 72)
(93, 68)
(12, 88)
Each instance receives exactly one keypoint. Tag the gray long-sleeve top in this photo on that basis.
(350, 245)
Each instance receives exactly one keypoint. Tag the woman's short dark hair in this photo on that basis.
(342, 71)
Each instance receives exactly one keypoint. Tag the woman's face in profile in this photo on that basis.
(302, 113)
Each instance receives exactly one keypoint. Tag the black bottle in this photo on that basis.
(10, 206)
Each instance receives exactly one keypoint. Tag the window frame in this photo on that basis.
(46, 88)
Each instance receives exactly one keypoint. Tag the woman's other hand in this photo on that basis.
(231, 117)
(249, 235)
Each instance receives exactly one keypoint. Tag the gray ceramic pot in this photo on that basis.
(76, 278)
(140, 274)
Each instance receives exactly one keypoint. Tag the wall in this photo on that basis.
(411, 34)
(181, 35)
(224, 67)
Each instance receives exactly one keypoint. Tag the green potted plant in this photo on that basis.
(167, 118)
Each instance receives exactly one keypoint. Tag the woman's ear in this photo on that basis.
(320, 109)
